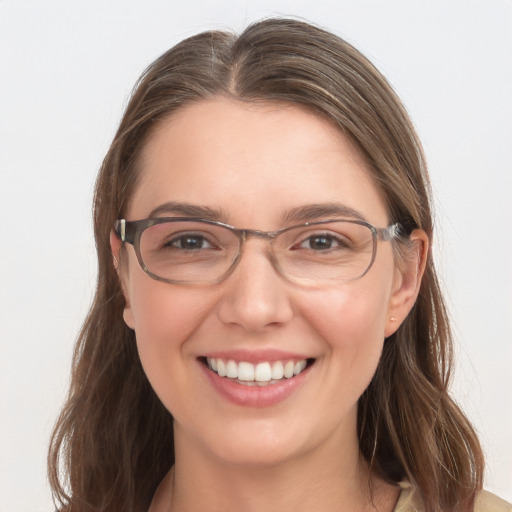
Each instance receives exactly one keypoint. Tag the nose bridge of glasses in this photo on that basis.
(267, 236)
(256, 233)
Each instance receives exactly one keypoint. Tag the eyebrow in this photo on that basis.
(313, 212)
(188, 210)
(305, 213)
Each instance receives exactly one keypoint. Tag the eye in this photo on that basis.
(323, 242)
(189, 242)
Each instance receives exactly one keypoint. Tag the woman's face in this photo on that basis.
(253, 164)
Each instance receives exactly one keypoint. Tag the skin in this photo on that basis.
(255, 163)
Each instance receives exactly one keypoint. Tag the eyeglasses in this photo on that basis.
(197, 251)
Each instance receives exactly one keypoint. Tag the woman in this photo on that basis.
(268, 331)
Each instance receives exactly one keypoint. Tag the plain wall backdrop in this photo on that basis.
(66, 71)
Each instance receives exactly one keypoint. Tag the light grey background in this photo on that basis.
(66, 70)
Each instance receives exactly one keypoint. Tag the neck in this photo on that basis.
(313, 481)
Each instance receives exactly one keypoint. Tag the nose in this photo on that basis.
(255, 297)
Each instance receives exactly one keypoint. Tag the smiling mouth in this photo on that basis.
(260, 374)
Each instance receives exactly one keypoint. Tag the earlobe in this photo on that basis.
(408, 281)
(128, 316)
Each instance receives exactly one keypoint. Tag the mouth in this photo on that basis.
(260, 374)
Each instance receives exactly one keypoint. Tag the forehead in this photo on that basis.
(252, 161)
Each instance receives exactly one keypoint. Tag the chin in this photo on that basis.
(259, 443)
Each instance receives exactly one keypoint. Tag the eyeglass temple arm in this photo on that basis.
(120, 229)
(390, 232)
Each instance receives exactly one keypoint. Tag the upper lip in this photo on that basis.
(256, 356)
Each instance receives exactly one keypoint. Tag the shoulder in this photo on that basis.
(488, 502)
(410, 501)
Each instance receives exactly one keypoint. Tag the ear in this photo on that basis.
(115, 247)
(407, 281)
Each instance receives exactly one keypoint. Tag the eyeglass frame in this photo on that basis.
(131, 231)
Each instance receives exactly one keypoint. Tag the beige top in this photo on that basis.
(410, 501)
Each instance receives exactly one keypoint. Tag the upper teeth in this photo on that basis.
(261, 372)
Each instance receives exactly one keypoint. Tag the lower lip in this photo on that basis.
(255, 396)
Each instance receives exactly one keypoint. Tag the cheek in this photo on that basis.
(353, 314)
(351, 322)
(161, 314)
(164, 318)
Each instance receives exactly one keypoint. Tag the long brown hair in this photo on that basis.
(113, 442)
